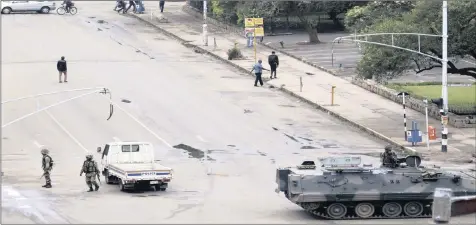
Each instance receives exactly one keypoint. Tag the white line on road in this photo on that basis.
(116, 139)
(66, 131)
(140, 123)
(200, 138)
(37, 144)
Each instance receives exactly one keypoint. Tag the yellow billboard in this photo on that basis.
(258, 21)
(259, 31)
(251, 22)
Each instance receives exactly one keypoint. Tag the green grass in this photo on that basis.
(461, 99)
(456, 95)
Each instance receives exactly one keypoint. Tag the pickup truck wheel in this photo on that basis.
(158, 188)
(108, 178)
(121, 186)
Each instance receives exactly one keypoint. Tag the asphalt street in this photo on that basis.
(181, 96)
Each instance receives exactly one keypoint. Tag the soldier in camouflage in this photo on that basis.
(91, 170)
(389, 158)
(47, 165)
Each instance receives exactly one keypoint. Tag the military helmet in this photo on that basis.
(45, 151)
(89, 156)
(388, 148)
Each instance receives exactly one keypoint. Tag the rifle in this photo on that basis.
(99, 177)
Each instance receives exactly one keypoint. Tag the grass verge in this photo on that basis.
(461, 99)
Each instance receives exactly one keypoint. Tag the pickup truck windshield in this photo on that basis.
(128, 148)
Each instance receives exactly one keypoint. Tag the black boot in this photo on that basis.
(97, 187)
(47, 186)
(90, 189)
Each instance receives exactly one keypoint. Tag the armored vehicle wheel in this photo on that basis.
(336, 210)
(413, 209)
(392, 209)
(364, 210)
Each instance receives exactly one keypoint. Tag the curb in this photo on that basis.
(382, 137)
(406, 150)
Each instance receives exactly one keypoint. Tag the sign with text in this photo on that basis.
(251, 22)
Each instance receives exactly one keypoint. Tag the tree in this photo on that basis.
(382, 63)
(306, 11)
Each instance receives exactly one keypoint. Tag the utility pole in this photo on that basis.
(403, 94)
(205, 26)
(444, 78)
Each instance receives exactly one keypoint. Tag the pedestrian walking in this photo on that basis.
(62, 69)
(161, 5)
(273, 62)
(258, 68)
(131, 4)
(90, 168)
(47, 165)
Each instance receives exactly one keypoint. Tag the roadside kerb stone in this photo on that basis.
(400, 147)
(378, 89)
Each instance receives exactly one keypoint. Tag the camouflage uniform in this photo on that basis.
(47, 165)
(389, 157)
(90, 168)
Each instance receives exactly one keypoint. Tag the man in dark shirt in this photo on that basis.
(62, 69)
(273, 63)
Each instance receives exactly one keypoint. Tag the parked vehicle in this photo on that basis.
(27, 6)
(132, 165)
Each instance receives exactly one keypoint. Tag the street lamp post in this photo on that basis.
(205, 26)
(444, 77)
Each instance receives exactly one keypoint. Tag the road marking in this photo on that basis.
(66, 131)
(116, 139)
(200, 138)
(140, 123)
(37, 144)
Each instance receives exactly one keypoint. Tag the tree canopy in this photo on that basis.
(305, 11)
(382, 63)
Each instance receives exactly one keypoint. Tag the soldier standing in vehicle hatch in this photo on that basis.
(91, 170)
(47, 165)
(389, 157)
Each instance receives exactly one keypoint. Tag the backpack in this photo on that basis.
(51, 161)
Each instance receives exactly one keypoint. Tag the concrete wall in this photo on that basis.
(413, 103)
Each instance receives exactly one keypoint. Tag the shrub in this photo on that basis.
(234, 53)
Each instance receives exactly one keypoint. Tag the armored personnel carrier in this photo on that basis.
(342, 188)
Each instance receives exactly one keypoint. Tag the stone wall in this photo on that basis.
(413, 103)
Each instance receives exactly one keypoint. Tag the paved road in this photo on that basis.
(183, 97)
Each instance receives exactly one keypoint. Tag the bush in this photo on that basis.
(234, 53)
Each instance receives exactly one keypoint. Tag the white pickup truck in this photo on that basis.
(132, 166)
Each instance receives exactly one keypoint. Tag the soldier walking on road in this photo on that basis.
(62, 69)
(273, 61)
(91, 170)
(47, 165)
(258, 68)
